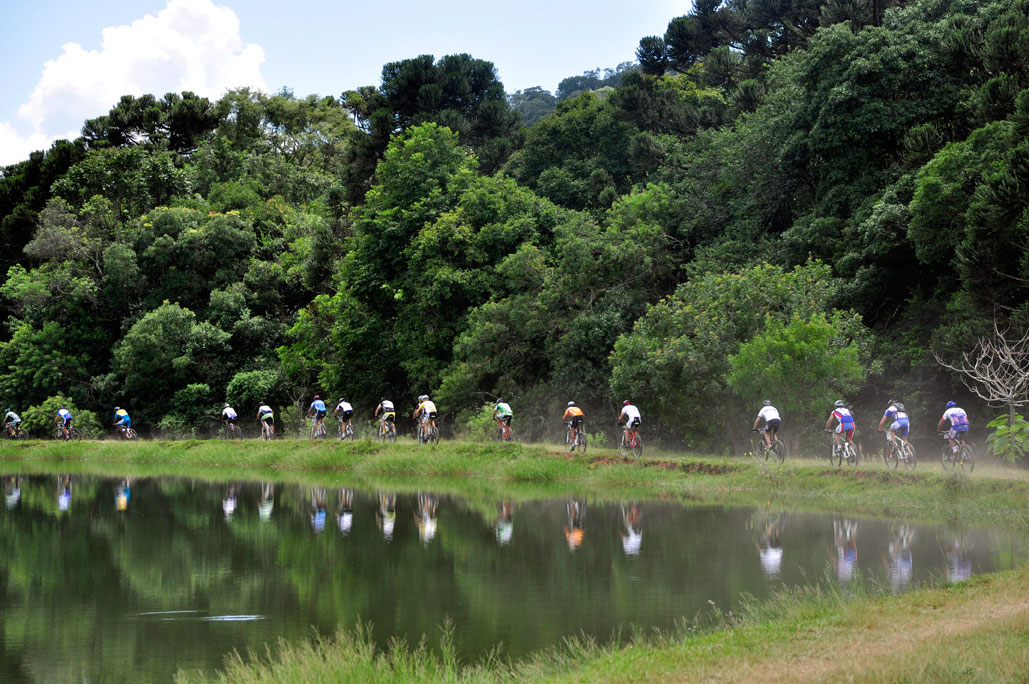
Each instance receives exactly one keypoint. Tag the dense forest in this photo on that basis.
(795, 201)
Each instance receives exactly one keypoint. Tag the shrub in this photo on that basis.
(39, 420)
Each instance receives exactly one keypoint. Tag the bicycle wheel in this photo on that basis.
(779, 448)
(59, 433)
(947, 457)
(434, 434)
(966, 457)
(349, 433)
(236, 432)
(637, 446)
(265, 434)
(580, 441)
(890, 457)
(391, 433)
(130, 433)
(852, 454)
(75, 434)
(624, 449)
(909, 453)
(836, 455)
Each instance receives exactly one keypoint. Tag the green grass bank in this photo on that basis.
(990, 495)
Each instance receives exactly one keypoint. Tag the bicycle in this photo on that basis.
(318, 429)
(503, 432)
(344, 433)
(126, 432)
(232, 431)
(12, 432)
(387, 432)
(266, 431)
(898, 450)
(428, 433)
(963, 457)
(580, 439)
(73, 433)
(777, 449)
(630, 443)
(842, 451)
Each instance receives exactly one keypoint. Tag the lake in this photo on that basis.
(121, 579)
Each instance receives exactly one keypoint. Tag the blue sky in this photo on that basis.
(66, 60)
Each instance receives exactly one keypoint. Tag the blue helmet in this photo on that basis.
(951, 404)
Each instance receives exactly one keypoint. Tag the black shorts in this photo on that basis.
(268, 419)
(772, 426)
(390, 417)
(230, 421)
(634, 423)
(577, 421)
(346, 415)
(432, 415)
(67, 422)
(506, 420)
(320, 415)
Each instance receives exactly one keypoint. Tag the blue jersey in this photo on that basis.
(318, 405)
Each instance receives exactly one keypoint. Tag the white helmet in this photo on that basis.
(571, 403)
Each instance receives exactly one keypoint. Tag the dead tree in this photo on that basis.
(996, 370)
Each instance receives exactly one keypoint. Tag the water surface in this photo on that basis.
(131, 579)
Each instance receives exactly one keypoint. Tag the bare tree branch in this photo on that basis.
(996, 370)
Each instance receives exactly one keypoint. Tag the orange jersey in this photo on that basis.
(572, 412)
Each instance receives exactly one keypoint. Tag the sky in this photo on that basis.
(65, 61)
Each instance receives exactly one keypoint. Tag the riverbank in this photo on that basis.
(990, 495)
(975, 631)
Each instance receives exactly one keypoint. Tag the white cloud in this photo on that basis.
(189, 45)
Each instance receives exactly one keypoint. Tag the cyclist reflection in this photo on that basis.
(770, 547)
(345, 511)
(12, 491)
(229, 502)
(574, 532)
(386, 516)
(632, 535)
(959, 565)
(122, 494)
(845, 561)
(504, 527)
(898, 563)
(63, 492)
(426, 517)
(264, 508)
(317, 509)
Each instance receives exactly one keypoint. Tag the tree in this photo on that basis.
(532, 104)
(800, 365)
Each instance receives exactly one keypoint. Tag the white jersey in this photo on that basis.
(956, 416)
(387, 406)
(631, 413)
(344, 406)
(768, 413)
(229, 413)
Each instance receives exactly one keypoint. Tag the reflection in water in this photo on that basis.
(632, 532)
(317, 509)
(12, 491)
(63, 492)
(121, 495)
(173, 559)
(845, 532)
(768, 525)
(229, 501)
(267, 503)
(387, 514)
(345, 511)
(899, 563)
(959, 564)
(574, 532)
(425, 518)
(504, 527)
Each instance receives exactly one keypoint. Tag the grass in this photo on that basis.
(976, 631)
(991, 495)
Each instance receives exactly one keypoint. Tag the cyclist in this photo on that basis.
(229, 416)
(958, 425)
(12, 422)
(316, 411)
(630, 415)
(343, 413)
(573, 417)
(122, 421)
(267, 416)
(427, 410)
(386, 413)
(899, 421)
(503, 414)
(845, 420)
(63, 418)
(770, 415)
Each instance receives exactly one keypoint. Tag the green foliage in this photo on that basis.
(479, 425)
(39, 419)
(801, 365)
(1010, 439)
(249, 389)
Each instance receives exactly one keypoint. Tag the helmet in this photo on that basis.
(500, 399)
(7, 410)
(226, 405)
(766, 402)
(951, 404)
(116, 408)
(61, 407)
(626, 402)
(341, 400)
(317, 397)
(893, 402)
(571, 403)
(423, 397)
(899, 406)
(840, 403)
